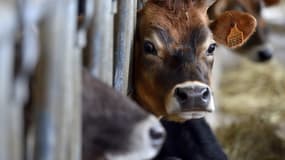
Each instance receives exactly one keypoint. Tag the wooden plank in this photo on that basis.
(125, 25)
(101, 41)
(9, 148)
(54, 126)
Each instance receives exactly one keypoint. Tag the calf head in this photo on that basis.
(174, 50)
(114, 127)
(257, 47)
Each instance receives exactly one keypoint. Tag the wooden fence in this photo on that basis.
(42, 39)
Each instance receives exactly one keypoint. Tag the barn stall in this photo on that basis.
(40, 56)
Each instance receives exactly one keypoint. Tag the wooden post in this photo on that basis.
(57, 83)
(125, 25)
(101, 40)
(9, 135)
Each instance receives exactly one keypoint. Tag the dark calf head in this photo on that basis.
(116, 128)
(257, 48)
(174, 50)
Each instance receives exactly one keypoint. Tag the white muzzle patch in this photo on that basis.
(173, 107)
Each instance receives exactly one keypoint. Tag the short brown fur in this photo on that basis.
(183, 32)
(178, 23)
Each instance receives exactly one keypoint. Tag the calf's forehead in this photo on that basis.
(178, 24)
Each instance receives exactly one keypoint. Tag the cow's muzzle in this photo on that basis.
(190, 97)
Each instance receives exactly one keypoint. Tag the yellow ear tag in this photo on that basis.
(235, 37)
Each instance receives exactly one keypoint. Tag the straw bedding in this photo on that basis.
(254, 96)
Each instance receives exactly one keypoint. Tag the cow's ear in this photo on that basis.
(269, 3)
(233, 28)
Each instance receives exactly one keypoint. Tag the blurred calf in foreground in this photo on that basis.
(114, 127)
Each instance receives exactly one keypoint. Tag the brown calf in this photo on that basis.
(174, 49)
(257, 47)
(114, 127)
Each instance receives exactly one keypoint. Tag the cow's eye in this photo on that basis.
(211, 49)
(149, 47)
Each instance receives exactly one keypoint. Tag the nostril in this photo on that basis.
(264, 55)
(156, 134)
(181, 95)
(206, 94)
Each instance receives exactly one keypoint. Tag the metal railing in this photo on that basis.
(40, 67)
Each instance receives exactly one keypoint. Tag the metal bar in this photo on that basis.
(102, 41)
(58, 33)
(140, 4)
(124, 39)
(8, 27)
(30, 13)
(75, 137)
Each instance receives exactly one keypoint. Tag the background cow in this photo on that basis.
(257, 48)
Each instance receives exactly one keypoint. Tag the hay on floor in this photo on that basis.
(252, 139)
(254, 94)
(253, 87)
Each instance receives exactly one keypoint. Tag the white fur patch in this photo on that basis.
(142, 145)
